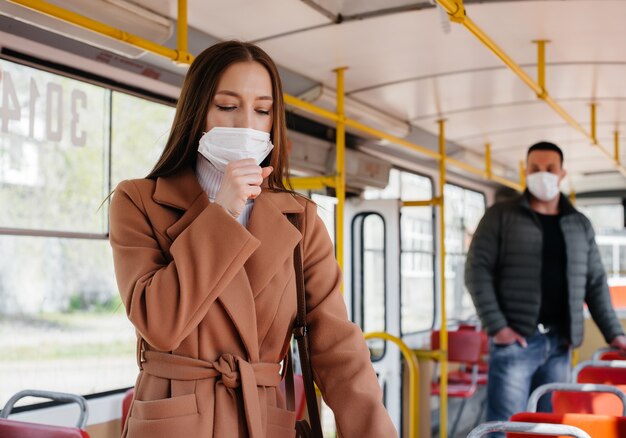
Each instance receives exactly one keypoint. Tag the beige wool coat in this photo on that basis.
(213, 304)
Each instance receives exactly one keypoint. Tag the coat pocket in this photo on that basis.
(281, 423)
(165, 408)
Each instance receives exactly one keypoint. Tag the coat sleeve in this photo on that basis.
(166, 298)
(597, 294)
(339, 356)
(480, 267)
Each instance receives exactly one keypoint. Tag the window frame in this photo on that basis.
(358, 272)
(111, 87)
(431, 179)
(100, 81)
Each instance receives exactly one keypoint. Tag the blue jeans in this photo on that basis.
(515, 371)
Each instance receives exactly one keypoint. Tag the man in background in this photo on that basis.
(532, 265)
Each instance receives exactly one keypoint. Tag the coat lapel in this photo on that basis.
(182, 191)
(277, 235)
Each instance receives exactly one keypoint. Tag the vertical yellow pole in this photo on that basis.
(522, 174)
(541, 66)
(488, 160)
(572, 196)
(340, 178)
(616, 141)
(593, 123)
(443, 333)
(181, 32)
(181, 27)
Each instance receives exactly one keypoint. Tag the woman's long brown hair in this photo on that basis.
(197, 94)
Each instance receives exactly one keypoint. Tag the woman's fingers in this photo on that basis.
(242, 181)
(266, 171)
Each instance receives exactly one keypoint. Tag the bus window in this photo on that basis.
(417, 308)
(53, 151)
(326, 211)
(369, 277)
(607, 217)
(463, 210)
(140, 130)
(62, 322)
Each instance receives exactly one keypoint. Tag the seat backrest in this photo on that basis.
(22, 429)
(612, 355)
(587, 403)
(463, 345)
(126, 402)
(604, 426)
(484, 346)
(604, 375)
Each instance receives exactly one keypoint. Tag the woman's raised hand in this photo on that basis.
(242, 181)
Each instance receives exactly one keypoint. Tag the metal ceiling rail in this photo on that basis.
(456, 11)
(182, 56)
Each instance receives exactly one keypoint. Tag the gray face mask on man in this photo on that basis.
(543, 185)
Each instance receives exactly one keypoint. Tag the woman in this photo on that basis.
(203, 254)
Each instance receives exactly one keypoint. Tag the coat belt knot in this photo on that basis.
(232, 371)
(228, 368)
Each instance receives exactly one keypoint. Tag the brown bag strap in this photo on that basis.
(300, 331)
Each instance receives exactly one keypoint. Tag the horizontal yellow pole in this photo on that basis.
(424, 203)
(467, 167)
(309, 107)
(104, 29)
(413, 377)
(392, 138)
(312, 183)
(429, 354)
(507, 183)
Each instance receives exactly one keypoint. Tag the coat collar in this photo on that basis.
(565, 206)
(178, 190)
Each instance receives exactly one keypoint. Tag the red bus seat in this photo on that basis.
(464, 347)
(605, 372)
(587, 403)
(600, 426)
(609, 353)
(22, 429)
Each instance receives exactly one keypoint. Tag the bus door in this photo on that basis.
(372, 286)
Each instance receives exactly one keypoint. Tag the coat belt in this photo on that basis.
(232, 371)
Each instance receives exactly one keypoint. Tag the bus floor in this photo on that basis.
(473, 413)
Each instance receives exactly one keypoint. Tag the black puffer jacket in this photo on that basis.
(503, 271)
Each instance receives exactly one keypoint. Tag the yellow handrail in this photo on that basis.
(413, 377)
(340, 164)
(456, 11)
(443, 332)
(312, 183)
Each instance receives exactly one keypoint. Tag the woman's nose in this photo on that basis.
(244, 119)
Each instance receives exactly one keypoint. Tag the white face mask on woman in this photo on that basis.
(222, 145)
(543, 185)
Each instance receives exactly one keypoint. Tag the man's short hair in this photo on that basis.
(545, 146)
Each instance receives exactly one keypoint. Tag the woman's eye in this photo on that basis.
(226, 107)
(264, 112)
